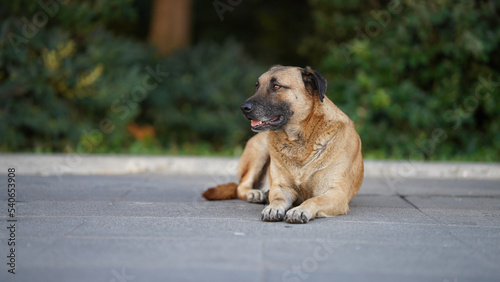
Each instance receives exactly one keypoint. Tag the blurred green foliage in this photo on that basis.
(60, 70)
(199, 102)
(71, 84)
(421, 79)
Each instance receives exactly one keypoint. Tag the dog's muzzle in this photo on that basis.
(259, 120)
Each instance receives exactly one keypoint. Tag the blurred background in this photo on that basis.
(421, 79)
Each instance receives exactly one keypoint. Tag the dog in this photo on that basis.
(306, 148)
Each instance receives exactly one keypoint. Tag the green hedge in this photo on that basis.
(60, 71)
(421, 79)
(71, 84)
(199, 102)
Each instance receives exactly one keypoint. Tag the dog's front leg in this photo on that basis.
(332, 203)
(280, 200)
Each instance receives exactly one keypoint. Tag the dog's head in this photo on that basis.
(284, 95)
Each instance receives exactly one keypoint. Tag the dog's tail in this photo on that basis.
(221, 192)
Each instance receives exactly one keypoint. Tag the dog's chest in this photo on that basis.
(302, 181)
(298, 156)
(299, 165)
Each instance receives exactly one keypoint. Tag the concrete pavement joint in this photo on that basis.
(120, 197)
(439, 223)
(410, 203)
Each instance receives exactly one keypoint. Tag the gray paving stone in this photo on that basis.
(448, 187)
(460, 211)
(154, 227)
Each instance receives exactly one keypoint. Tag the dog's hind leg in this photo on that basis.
(253, 169)
(252, 172)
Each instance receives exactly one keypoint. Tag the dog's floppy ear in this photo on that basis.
(275, 66)
(315, 81)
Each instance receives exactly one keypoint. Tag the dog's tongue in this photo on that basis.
(254, 123)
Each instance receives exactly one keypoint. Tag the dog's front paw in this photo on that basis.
(273, 213)
(255, 196)
(297, 215)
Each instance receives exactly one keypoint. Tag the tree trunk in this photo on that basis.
(170, 24)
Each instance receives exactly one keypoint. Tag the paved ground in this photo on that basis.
(155, 227)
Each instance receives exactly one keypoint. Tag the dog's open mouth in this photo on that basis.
(258, 124)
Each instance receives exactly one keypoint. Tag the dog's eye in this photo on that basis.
(257, 84)
(276, 87)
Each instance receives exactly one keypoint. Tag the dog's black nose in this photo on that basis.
(247, 107)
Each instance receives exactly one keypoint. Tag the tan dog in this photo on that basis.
(308, 148)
